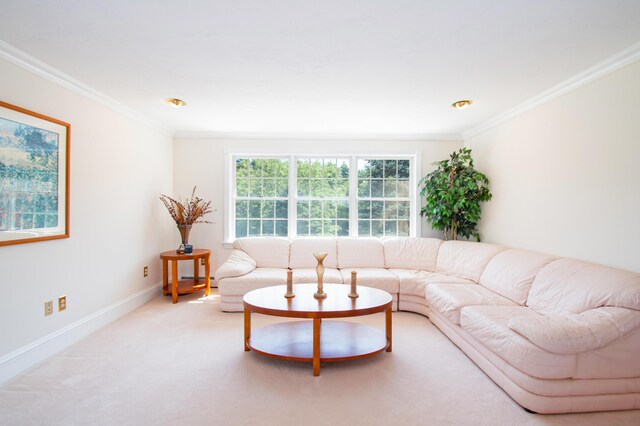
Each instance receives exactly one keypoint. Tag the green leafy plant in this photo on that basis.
(453, 193)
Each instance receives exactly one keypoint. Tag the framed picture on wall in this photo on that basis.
(34, 176)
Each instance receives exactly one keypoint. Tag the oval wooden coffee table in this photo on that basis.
(316, 341)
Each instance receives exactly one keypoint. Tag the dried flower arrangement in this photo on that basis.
(186, 214)
(190, 211)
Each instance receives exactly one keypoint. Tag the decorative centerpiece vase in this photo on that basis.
(184, 236)
(320, 294)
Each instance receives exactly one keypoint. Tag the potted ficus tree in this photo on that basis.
(453, 193)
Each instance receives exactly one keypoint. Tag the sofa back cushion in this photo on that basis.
(361, 252)
(511, 272)
(465, 259)
(411, 253)
(573, 286)
(268, 252)
(302, 250)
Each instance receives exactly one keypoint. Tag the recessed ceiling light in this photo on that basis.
(462, 104)
(176, 103)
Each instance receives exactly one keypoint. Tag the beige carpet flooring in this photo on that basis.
(184, 364)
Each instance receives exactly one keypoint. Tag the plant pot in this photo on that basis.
(184, 236)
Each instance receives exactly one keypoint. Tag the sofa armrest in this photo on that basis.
(237, 264)
(575, 333)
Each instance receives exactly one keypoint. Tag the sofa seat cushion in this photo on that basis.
(414, 282)
(310, 276)
(511, 272)
(373, 277)
(360, 252)
(574, 333)
(411, 253)
(436, 278)
(302, 250)
(258, 278)
(619, 359)
(489, 325)
(268, 252)
(449, 299)
(465, 259)
(572, 286)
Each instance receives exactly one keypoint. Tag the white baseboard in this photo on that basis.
(21, 359)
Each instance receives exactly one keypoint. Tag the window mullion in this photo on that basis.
(230, 197)
(292, 219)
(414, 169)
(353, 196)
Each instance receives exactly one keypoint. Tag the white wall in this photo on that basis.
(118, 168)
(200, 161)
(566, 175)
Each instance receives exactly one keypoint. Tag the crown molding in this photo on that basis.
(41, 69)
(364, 137)
(614, 63)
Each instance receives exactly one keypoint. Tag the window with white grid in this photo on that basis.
(302, 195)
(261, 197)
(384, 202)
(322, 202)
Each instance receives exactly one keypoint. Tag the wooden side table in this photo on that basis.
(190, 285)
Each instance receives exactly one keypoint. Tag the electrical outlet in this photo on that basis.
(202, 262)
(48, 308)
(62, 303)
(146, 271)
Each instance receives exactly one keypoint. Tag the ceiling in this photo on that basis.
(330, 66)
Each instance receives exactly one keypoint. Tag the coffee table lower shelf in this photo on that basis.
(340, 341)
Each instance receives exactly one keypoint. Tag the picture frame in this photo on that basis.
(34, 176)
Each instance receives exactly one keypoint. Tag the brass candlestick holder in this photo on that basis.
(353, 294)
(320, 294)
(289, 294)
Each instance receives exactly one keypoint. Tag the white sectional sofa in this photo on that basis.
(558, 335)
